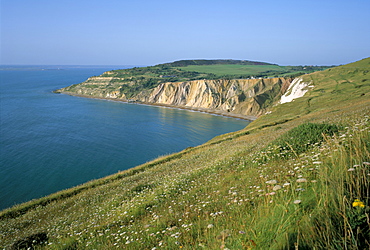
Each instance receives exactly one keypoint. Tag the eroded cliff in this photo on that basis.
(242, 96)
(246, 97)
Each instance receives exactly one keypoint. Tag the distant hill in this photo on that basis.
(134, 83)
(183, 63)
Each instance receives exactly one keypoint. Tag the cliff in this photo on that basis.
(245, 97)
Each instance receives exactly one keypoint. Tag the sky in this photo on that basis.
(149, 32)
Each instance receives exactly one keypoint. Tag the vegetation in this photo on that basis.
(299, 140)
(232, 192)
(184, 63)
(236, 71)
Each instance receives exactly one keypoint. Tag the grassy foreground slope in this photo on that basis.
(297, 178)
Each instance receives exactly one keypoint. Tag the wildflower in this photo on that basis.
(297, 201)
(210, 226)
(272, 182)
(366, 163)
(223, 235)
(277, 187)
(358, 203)
(286, 184)
(301, 180)
(351, 169)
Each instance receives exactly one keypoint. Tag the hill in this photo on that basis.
(295, 178)
(184, 63)
(126, 84)
(227, 87)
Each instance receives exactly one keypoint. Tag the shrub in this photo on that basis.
(299, 140)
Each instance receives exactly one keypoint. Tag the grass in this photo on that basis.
(225, 194)
(251, 70)
(233, 69)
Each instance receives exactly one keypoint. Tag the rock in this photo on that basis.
(239, 96)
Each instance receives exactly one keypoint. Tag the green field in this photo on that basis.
(295, 178)
(233, 69)
(237, 70)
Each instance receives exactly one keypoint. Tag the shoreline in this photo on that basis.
(203, 110)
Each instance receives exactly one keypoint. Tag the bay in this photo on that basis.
(50, 142)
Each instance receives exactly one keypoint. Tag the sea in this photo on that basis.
(50, 142)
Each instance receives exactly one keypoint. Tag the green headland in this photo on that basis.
(295, 178)
(131, 82)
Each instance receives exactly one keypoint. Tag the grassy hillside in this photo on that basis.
(297, 178)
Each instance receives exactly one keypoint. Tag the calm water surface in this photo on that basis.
(50, 142)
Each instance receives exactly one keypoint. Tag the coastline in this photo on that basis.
(203, 110)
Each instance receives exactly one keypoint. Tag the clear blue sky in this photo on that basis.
(148, 32)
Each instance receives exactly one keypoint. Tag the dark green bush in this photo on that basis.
(303, 137)
(299, 140)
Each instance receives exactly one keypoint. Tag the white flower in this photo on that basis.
(271, 182)
(301, 180)
(297, 201)
(210, 226)
(277, 187)
(351, 169)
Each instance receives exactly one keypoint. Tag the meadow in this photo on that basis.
(239, 70)
(296, 178)
(232, 69)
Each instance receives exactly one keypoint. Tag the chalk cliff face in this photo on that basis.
(247, 97)
(241, 96)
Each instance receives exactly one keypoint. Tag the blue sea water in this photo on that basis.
(50, 142)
